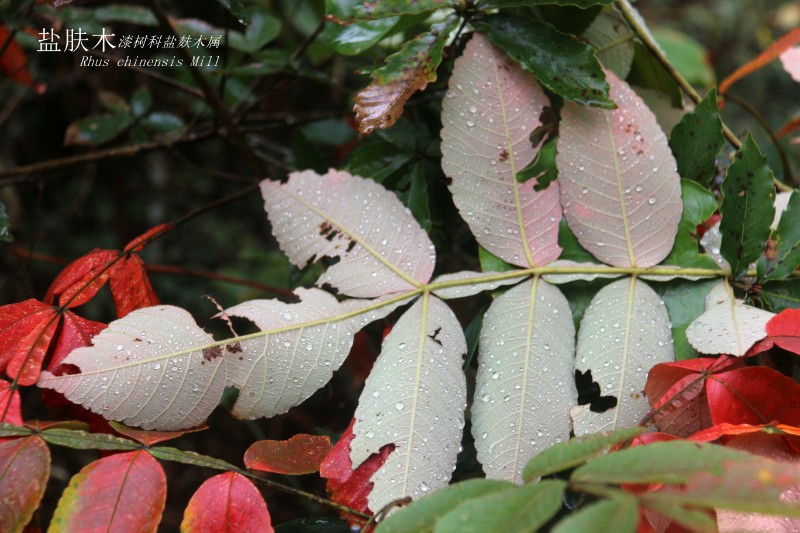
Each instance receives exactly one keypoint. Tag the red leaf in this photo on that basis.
(677, 394)
(81, 279)
(26, 330)
(302, 454)
(347, 486)
(130, 286)
(122, 493)
(76, 332)
(10, 406)
(148, 438)
(137, 244)
(24, 470)
(13, 62)
(767, 56)
(755, 395)
(716, 431)
(227, 502)
(784, 330)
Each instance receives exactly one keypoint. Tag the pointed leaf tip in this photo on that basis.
(227, 502)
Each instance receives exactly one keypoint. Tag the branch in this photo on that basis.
(211, 97)
(19, 251)
(23, 173)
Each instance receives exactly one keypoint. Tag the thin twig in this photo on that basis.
(221, 112)
(152, 74)
(787, 171)
(644, 35)
(23, 173)
(20, 251)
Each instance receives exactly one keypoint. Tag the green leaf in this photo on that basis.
(543, 166)
(238, 9)
(359, 36)
(125, 13)
(317, 524)
(141, 100)
(5, 223)
(418, 201)
(162, 122)
(266, 61)
(780, 295)
(753, 485)
(698, 205)
(685, 301)
(678, 461)
(687, 56)
(571, 248)
(83, 440)
(559, 61)
(787, 244)
(263, 28)
(647, 72)
(358, 10)
(515, 510)
(422, 515)
(747, 207)
(167, 453)
(97, 129)
(613, 39)
(583, 4)
(619, 514)
(330, 132)
(574, 452)
(492, 263)
(699, 521)
(697, 139)
(377, 159)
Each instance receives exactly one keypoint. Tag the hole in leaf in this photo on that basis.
(589, 393)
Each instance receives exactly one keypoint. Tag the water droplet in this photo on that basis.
(473, 109)
(424, 487)
(157, 366)
(470, 123)
(651, 201)
(399, 406)
(287, 316)
(402, 346)
(119, 347)
(496, 375)
(485, 397)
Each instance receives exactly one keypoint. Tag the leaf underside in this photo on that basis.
(414, 399)
(490, 109)
(381, 247)
(619, 182)
(525, 383)
(624, 333)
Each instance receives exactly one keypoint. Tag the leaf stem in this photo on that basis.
(83, 440)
